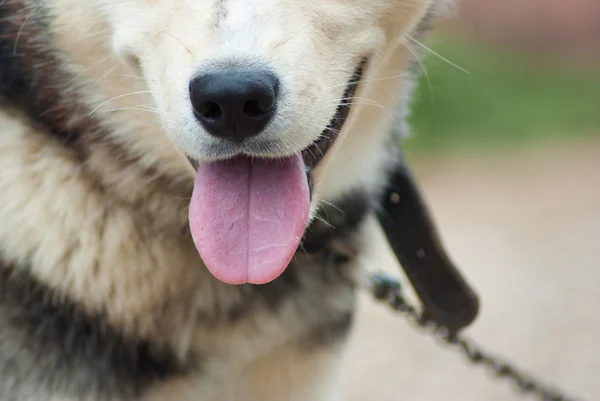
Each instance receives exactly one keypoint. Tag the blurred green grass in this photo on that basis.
(507, 100)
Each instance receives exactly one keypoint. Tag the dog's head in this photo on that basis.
(254, 93)
(256, 77)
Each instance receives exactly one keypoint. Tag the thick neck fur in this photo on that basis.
(96, 258)
(87, 171)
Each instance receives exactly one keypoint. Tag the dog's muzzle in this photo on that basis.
(317, 151)
(248, 214)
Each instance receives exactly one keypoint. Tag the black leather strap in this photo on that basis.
(446, 296)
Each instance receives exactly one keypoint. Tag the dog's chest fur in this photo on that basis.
(98, 297)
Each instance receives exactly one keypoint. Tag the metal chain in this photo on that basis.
(389, 290)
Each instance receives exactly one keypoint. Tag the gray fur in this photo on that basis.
(52, 345)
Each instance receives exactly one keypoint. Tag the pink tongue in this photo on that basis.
(247, 217)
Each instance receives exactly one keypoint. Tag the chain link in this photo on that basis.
(389, 290)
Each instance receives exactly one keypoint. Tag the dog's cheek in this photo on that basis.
(135, 28)
(126, 55)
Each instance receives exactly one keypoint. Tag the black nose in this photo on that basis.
(235, 104)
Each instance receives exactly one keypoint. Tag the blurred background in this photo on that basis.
(508, 157)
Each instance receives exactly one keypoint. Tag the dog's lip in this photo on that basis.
(195, 164)
(315, 152)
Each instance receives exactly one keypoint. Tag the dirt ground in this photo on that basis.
(526, 230)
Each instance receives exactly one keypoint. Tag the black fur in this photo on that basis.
(30, 76)
(58, 339)
(331, 332)
(340, 220)
(66, 341)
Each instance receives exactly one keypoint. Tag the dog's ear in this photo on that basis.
(446, 296)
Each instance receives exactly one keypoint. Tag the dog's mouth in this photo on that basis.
(316, 152)
(247, 215)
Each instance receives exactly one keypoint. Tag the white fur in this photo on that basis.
(118, 50)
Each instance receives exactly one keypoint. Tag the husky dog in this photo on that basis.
(175, 176)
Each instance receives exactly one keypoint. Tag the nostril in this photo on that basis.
(256, 108)
(209, 110)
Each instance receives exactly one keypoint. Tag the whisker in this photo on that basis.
(333, 206)
(337, 133)
(22, 28)
(311, 152)
(371, 103)
(354, 101)
(90, 67)
(369, 80)
(438, 55)
(322, 220)
(118, 97)
(425, 72)
(124, 75)
(146, 109)
(284, 41)
(180, 42)
(72, 87)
